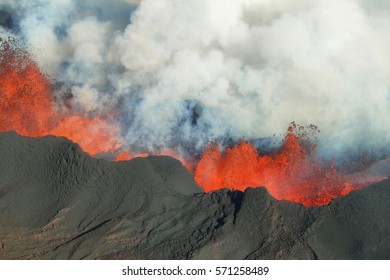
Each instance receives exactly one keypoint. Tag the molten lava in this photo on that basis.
(125, 156)
(189, 164)
(27, 107)
(25, 95)
(293, 173)
(94, 135)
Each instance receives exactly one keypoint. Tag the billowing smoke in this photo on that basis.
(182, 73)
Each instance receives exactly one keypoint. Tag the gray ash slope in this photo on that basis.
(56, 202)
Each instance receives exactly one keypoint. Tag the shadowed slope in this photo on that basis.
(58, 203)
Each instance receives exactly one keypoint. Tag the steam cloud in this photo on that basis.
(182, 73)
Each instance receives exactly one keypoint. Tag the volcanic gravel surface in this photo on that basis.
(56, 202)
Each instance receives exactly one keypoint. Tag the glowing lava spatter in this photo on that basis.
(25, 95)
(293, 173)
(27, 107)
(188, 163)
(125, 156)
(94, 135)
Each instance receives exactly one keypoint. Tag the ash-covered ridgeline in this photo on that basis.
(56, 202)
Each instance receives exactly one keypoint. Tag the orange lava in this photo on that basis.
(94, 135)
(25, 95)
(189, 164)
(125, 156)
(293, 173)
(26, 106)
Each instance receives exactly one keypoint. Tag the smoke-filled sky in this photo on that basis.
(181, 73)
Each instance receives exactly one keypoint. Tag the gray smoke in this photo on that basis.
(182, 73)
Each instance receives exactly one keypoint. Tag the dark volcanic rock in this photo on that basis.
(58, 203)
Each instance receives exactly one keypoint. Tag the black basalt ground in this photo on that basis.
(56, 202)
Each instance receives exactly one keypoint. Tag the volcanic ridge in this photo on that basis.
(56, 202)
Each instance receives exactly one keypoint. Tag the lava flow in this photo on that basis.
(187, 163)
(27, 106)
(25, 100)
(292, 173)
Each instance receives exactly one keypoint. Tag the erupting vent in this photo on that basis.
(27, 106)
(293, 172)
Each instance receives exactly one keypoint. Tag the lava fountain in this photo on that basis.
(27, 106)
(292, 173)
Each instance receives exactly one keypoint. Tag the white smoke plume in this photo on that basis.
(182, 73)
